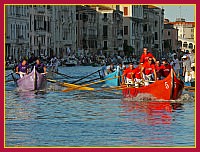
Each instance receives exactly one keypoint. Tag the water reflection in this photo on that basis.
(150, 112)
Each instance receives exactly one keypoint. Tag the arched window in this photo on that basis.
(185, 44)
(190, 46)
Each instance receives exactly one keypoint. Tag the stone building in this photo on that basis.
(63, 29)
(110, 30)
(186, 34)
(132, 28)
(153, 26)
(170, 38)
(40, 30)
(16, 31)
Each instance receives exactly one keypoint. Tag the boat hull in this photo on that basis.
(112, 79)
(32, 81)
(167, 89)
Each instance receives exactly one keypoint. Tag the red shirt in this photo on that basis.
(136, 72)
(165, 70)
(128, 73)
(157, 68)
(144, 57)
(148, 68)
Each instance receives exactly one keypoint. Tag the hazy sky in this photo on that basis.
(175, 11)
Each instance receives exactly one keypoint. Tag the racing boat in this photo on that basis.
(32, 81)
(169, 88)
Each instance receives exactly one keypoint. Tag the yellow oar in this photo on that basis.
(71, 86)
(74, 86)
(85, 85)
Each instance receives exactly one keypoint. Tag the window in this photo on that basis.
(156, 23)
(185, 44)
(125, 10)
(168, 33)
(125, 30)
(105, 15)
(156, 35)
(125, 42)
(105, 31)
(190, 46)
(145, 28)
(105, 45)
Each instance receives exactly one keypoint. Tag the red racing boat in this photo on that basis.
(169, 88)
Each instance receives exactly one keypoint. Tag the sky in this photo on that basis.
(176, 11)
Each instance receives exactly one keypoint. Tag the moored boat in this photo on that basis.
(167, 89)
(32, 81)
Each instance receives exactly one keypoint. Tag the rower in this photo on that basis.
(137, 76)
(145, 56)
(110, 68)
(148, 71)
(157, 67)
(128, 73)
(40, 67)
(22, 68)
(165, 69)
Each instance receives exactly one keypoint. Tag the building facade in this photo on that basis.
(63, 29)
(110, 30)
(170, 38)
(58, 30)
(40, 30)
(153, 29)
(186, 34)
(16, 31)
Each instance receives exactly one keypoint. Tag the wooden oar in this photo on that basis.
(88, 81)
(85, 85)
(77, 87)
(85, 77)
(71, 86)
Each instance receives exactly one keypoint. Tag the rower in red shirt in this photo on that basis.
(137, 76)
(157, 66)
(144, 57)
(148, 69)
(165, 69)
(127, 75)
(136, 72)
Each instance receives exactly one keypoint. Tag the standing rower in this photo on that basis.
(145, 56)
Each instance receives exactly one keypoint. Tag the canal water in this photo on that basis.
(95, 118)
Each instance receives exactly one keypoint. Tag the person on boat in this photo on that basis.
(157, 67)
(186, 68)
(192, 73)
(165, 69)
(40, 67)
(127, 76)
(137, 75)
(54, 64)
(176, 65)
(121, 67)
(110, 68)
(148, 71)
(145, 55)
(22, 69)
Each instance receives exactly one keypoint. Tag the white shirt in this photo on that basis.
(176, 64)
